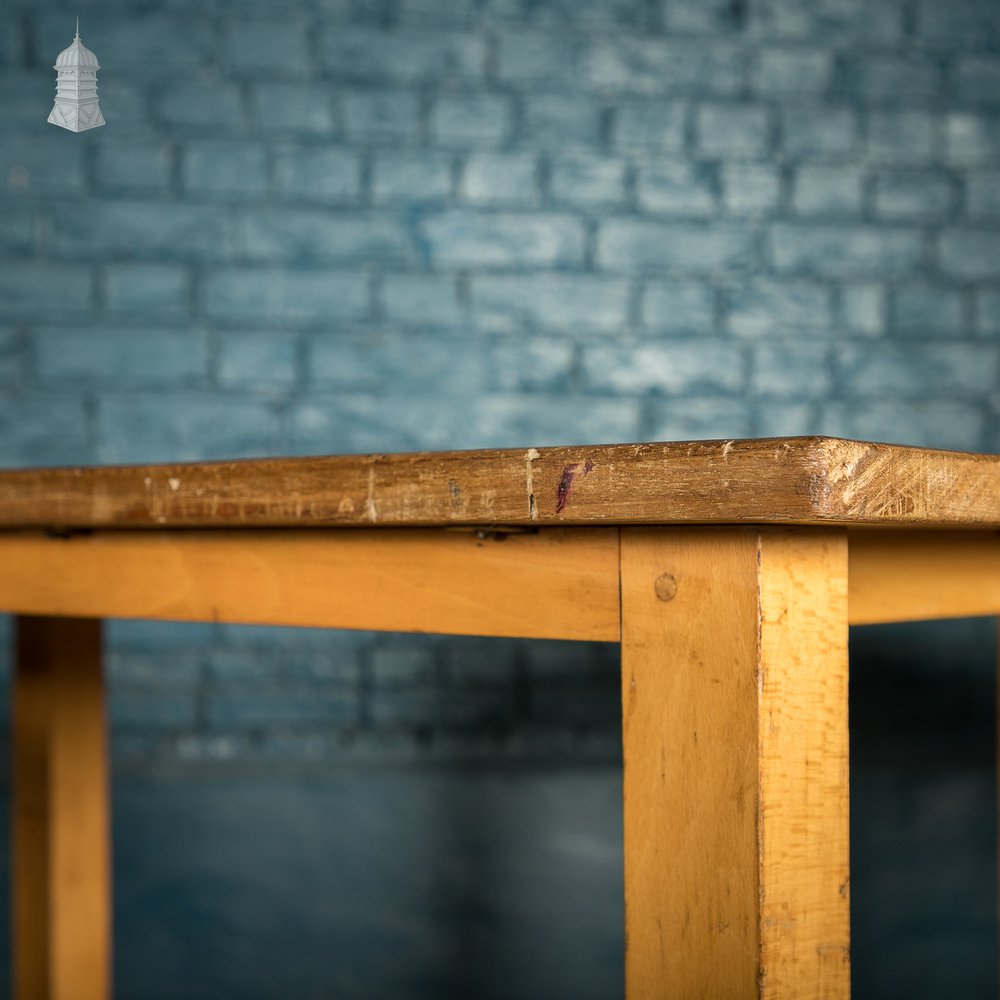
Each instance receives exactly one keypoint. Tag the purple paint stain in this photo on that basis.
(565, 486)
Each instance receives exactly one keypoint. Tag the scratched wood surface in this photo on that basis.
(790, 480)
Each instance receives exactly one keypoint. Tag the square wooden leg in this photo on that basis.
(734, 694)
(61, 849)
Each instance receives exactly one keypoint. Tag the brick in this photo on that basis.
(620, 63)
(269, 707)
(159, 669)
(473, 662)
(678, 366)
(40, 164)
(829, 20)
(282, 660)
(442, 13)
(156, 45)
(557, 122)
(698, 418)
(827, 190)
(224, 169)
(906, 370)
(970, 254)
(43, 429)
(982, 194)
(644, 245)
(924, 423)
(305, 109)
(501, 179)
(459, 238)
(356, 418)
(140, 230)
(151, 709)
(530, 364)
(845, 251)
(912, 195)
(257, 360)
(440, 708)
(10, 358)
(181, 427)
(863, 309)
(960, 24)
(733, 129)
(126, 108)
(791, 369)
(766, 308)
(10, 43)
(363, 423)
(391, 116)
(977, 80)
(124, 358)
(550, 301)
(895, 79)
(539, 57)
(630, 15)
(792, 72)
(208, 106)
(361, 53)
(587, 181)
(806, 133)
(149, 638)
(124, 165)
(327, 174)
(900, 137)
(929, 309)
(251, 47)
(421, 299)
(784, 418)
(675, 187)
(401, 665)
(383, 362)
(159, 290)
(972, 139)
(17, 229)
(678, 308)
(241, 294)
(652, 125)
(988, 311)
(411, 177)
(32, 291)
(307, 235)
(470, 119)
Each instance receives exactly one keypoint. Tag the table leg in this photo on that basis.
(61, 893)
(734, 694)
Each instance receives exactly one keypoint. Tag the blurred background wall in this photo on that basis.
(322, 226)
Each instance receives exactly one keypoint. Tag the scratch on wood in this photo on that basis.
(531, 456)
(175, 484)
(565, 486)
(370, 509)
(726, 449)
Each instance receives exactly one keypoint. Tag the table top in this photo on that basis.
(802, 480)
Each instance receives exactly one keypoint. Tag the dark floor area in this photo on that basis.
(503, 881)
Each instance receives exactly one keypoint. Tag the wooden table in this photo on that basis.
(729, 571)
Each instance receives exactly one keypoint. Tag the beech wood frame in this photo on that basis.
(734, 700)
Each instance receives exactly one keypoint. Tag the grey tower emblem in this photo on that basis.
(76, 106)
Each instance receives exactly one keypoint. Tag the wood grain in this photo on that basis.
(552, 584)
(898, 576)
(61, 826)
(782, 480)
(734, 700)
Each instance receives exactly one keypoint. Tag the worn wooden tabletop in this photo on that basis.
(804, 480)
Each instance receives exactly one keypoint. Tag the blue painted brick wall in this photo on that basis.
(324, 226)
